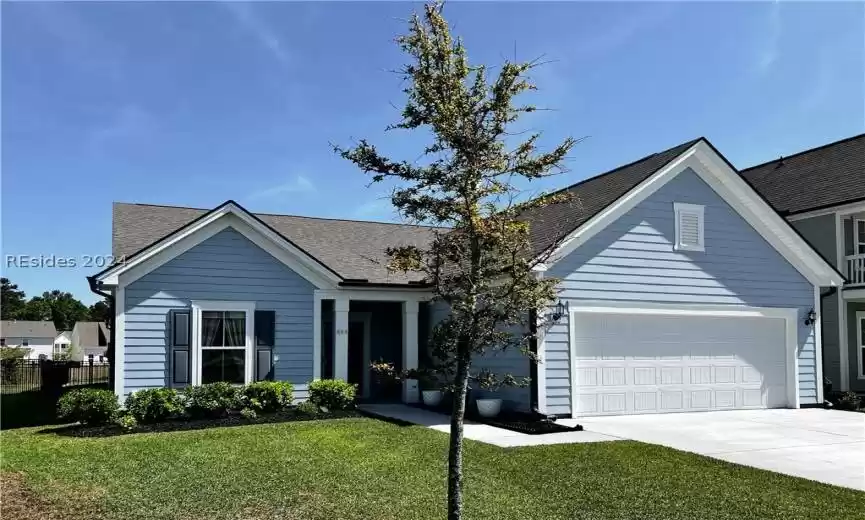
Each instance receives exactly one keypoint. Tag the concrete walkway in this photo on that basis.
(480, 432)
(823, 445)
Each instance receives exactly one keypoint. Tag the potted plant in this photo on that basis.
(431, 392)
(492, 383)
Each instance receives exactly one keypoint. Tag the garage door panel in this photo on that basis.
(644, 363)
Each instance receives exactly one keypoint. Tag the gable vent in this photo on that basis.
(689, 227)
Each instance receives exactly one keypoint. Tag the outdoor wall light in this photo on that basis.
(811, 318)
(559, 311)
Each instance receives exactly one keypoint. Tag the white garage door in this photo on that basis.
(657, 363)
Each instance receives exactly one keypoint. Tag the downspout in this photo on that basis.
(95, 288)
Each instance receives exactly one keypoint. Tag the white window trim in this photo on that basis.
(199, 306)
(860, 347)
(856, 242)
(700, 211)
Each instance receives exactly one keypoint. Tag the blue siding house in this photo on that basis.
(680, 289)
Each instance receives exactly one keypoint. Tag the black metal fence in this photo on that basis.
(25, 375)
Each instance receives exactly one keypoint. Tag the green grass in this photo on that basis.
(362, 468)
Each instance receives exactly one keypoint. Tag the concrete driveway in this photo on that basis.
(823, 445)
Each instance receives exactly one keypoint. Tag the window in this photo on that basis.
(25, 342)
(2, 342)
(689, 227)
(860, 342)
(859, 237)
(223, 342)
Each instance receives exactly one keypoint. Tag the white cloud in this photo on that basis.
(245, 15)
(376, 209)
(125, 125)
(299, 184)
(770, 52)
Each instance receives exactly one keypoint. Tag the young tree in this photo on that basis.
(482, 266)
(12, 302)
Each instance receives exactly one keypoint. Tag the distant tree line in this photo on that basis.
(58, 306)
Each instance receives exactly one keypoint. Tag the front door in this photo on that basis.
(357, 364)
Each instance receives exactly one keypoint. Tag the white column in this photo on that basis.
(410, 349)
(844, 354)
(316, 336)
(340, 338)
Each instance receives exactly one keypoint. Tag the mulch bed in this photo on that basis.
(520, 422)
(111, 430)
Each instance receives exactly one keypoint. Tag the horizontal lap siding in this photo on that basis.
(633, 260)
(226, 266)
(509, 361)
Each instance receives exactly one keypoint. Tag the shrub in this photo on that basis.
(154, 405)
(268, 396)
(848, 401)
(91, 406)
(308, 408)
(127, 422)
(333, 394)
(248, 414)
(212, 400)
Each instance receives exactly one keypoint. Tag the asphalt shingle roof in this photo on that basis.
(826, 176)
(89, 333)
(353, 249)
(27, 329)
(586, 198)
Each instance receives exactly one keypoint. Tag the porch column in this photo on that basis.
(410, 349)
(340, 338)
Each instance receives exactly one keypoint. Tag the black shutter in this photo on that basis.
(265, 334)
(180, 336)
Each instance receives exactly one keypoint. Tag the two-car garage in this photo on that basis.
(665, 359)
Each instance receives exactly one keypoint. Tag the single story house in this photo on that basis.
(682, 289)
(38, 336)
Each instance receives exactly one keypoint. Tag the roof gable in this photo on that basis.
(589, 197)
(352, 250)
(829, 175)
(27, 329)
(702, 158)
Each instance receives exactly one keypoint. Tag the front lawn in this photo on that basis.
(363, 468)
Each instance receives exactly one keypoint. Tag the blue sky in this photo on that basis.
(195, 103)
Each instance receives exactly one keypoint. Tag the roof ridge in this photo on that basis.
(332, 219)
(622, 167)
(809, 150)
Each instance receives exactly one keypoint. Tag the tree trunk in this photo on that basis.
(455, 449)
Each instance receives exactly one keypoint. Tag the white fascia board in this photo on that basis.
(396, 294)
(764, 219)
(841, 209)
(727, 183)
(620, 207)
(228, 216)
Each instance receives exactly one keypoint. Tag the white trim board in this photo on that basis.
(229, 215)
(727, 183)
(199, 306)
(119, 341)
(841, 209)
(860, 317)
(789, 315)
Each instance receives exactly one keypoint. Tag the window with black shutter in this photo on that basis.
(265, 335)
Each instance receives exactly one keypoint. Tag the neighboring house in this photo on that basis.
(61, 343)
(822, 193)
(682, 290)
(91, 338)
(38, 336)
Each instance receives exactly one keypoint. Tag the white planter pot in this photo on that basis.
(489, 407)
(431, 397)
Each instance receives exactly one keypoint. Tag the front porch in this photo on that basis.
(355, 327)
